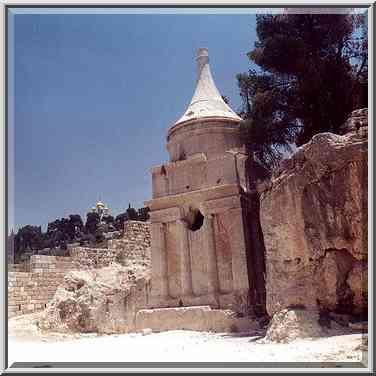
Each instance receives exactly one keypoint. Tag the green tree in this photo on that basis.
(109, 219)
(119, 221)
(132, 213)
(28, 238)
(267, 130)
(63, 230)
(143, 214)
(92, 222)
(75, 226)
(308, 80)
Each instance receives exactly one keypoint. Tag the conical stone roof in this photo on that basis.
(207, 102)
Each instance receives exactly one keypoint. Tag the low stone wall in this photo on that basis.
(23, 267)
(89, 258)
(30, 292)
(33, 283)
(134, 246)
(43, 263)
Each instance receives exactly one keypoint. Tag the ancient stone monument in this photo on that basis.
(199, 252)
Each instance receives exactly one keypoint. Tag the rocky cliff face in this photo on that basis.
(313, 215)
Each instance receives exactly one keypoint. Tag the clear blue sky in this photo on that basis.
(94, 96)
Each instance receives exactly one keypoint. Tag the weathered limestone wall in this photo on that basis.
(89, 258)
(314, 221)
(32, 284)
(30, 292)
(43, 264)
(135, 245)
(132, 247)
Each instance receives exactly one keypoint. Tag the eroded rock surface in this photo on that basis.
(290, 324)
(314, 220)
(97, 300)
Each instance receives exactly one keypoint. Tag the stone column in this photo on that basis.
(213, 283)
(159, 260)
(185, 260)
(239, 251)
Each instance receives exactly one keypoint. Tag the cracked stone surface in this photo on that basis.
(314, 220)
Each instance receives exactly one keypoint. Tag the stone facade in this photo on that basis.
(199, 252)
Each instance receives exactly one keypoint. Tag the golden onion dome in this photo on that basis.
(100, 204)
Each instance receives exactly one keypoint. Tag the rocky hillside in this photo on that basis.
(313, 215)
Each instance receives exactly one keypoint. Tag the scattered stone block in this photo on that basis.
(146, 331)
(199, 318)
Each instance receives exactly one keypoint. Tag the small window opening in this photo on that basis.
(198, 221)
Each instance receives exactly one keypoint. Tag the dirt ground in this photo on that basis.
(27, 344)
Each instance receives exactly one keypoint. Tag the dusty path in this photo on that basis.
(27, 345)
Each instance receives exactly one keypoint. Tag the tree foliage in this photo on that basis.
(132, 214)
(63, 231)
(312, 73)
(119, 221)
(143, 214)
(29, 237)
(92, 222)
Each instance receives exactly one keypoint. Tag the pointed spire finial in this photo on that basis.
(207, 102)
(202, 58)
